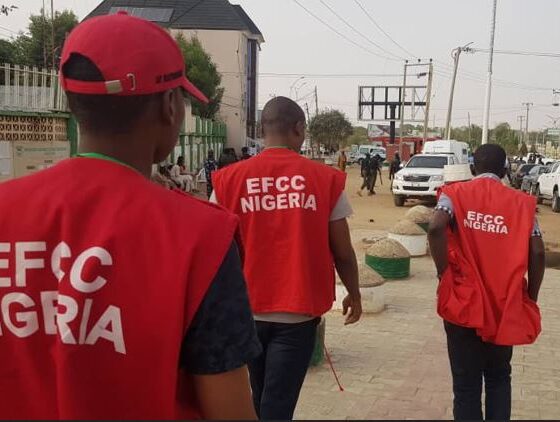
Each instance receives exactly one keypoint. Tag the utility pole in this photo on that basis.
(521, 119)
(52, 35)
(307, 110)
(456, 53)
(470, 127)
(428, 100)
(526, 137)
(486, 120)
(316, 102)
(403, 100)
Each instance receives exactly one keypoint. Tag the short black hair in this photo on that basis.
(102, 114)
(280, 115)
(490, 158)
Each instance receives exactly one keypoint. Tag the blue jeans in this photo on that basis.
(473, 360)
(278, 373)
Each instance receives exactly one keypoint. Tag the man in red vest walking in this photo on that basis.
(120, 299)
(484, 238)
(294, 233)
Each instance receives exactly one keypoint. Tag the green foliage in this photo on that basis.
(36, 48)
(358, 137)
(7, 52)
(523, 151)
(203, 73)
(330, 128)
(471, 135)
(504, 136)
(534, 149)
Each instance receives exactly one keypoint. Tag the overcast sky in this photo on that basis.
(296, 43)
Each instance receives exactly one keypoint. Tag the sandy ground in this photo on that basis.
(378, 212)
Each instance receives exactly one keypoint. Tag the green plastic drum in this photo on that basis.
(390, 268)
(318, 356)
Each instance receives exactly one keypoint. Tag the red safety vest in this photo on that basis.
(284, 202)
(101, 274)
(484, 286)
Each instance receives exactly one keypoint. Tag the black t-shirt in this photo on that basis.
(222, 336)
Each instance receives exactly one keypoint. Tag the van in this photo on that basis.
(460, 150)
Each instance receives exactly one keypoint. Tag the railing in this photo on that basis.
(24, 88)
(195, 142)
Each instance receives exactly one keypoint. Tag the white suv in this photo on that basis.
(548, 187)
(420, 178)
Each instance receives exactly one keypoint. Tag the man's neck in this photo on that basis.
(119, 150)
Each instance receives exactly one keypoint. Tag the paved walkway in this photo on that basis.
(394, 365)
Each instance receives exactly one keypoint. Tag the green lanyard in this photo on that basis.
(104, 157)
(280, 147)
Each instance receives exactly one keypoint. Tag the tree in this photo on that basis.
(36, 48)
(504, 136)
(7, 52)
(330, 128)
(202, 72)
(359, 136)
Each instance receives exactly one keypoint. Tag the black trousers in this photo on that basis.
(473, 361)
(278, 373)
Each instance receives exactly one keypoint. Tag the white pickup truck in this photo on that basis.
(548, 187)
(421, 177)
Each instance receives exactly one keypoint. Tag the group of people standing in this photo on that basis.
(129, 301)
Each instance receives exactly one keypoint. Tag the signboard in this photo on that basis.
(22, 158)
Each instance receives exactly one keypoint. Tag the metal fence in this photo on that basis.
(195, 142)
(24, 88)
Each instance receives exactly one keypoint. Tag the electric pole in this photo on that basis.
(456, 53)
(486, 120)
(316, 102)
(307, 110)
(521, 119)
(52, 35)
(526, 137)
(470, 127)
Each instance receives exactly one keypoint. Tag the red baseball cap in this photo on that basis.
(135, 56)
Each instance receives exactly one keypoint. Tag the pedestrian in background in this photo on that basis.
(294, 233)
(210, 166)
(395, 166)
(342, 160)
(484, 238)
(245, 154)
(366, 171)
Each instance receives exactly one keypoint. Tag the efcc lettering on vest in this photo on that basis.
(486, 222)
(281, 193)
(20, 312)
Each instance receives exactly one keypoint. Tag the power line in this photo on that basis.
(359, 32)
(382, 30)
(518, 53)
(340, 34)
(9, 30)
(321, 75)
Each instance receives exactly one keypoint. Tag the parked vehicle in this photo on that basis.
(360, 154)
(460, 150)
(522, 171)
(548, 187)
(529, 183)
(421, 177)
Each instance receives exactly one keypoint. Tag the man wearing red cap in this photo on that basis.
(294, 233)
(120, 299)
